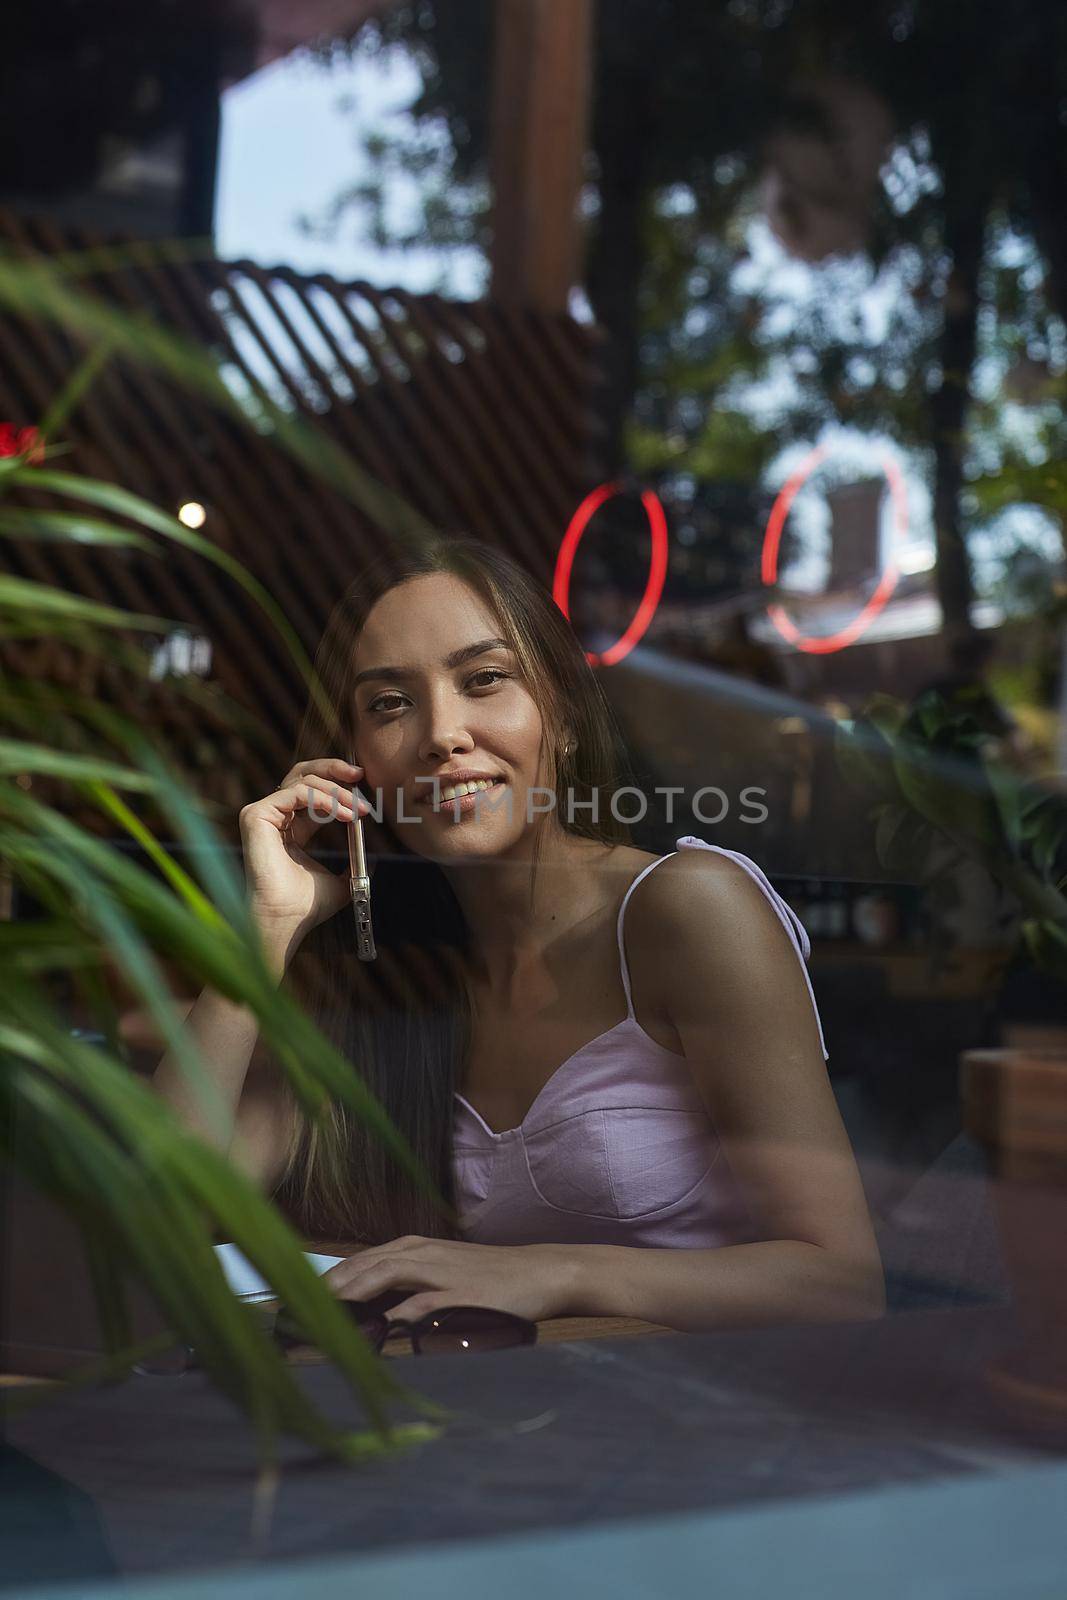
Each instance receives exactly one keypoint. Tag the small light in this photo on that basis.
(192, 513)
(24, 780)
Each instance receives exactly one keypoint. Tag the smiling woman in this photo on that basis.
(609, 1064)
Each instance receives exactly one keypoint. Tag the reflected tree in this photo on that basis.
(906, 157)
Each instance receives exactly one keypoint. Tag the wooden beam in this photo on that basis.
(542, 72)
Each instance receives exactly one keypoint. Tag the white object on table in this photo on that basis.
(247, 1283)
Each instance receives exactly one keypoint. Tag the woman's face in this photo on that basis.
(422, 714)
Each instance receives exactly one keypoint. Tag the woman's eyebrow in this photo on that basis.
(456, 659)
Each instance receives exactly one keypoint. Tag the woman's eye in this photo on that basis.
(493, 673)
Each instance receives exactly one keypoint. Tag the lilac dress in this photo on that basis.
(618, 1147)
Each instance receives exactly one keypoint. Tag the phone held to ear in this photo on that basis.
(359, 881)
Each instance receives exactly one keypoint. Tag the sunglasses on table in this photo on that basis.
(459, 1330)
(453, 1330)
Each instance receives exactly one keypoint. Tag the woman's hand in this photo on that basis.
(289, 892)
(530, 1280)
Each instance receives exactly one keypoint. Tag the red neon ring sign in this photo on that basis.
(657, 568)
(886, 584)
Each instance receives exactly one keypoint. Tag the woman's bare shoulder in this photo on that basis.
(700, 909)
(669, 889)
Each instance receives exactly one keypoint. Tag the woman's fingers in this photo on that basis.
(329, 767)
(407, 1262)
(322, 800)
(417, 1306)
(310, 804)
(399, 1273)
(328, 777)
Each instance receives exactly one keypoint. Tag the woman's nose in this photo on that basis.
(446, 733)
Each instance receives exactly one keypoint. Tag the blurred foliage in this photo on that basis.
(75, 1120)
(934, 770)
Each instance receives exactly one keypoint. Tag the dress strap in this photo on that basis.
(786, 916)
(622, 912)
(785, 913)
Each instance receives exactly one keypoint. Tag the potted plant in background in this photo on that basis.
(943, 791)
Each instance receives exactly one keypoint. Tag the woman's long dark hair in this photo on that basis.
(404, 1020)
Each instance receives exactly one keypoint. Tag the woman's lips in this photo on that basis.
(463, 803)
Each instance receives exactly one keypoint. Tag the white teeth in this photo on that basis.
(460, 789)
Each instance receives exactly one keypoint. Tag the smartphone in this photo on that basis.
(359, 882)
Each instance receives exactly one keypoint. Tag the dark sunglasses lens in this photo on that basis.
(471, 1328)
(168, 1363)
(373, 1329)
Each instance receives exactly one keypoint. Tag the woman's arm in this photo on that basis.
(730, 1286)
(710, 947)
(258, 1111)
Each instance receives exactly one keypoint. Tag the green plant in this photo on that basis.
(934, 771)
(75, 1121)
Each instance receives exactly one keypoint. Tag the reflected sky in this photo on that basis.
(291, 143)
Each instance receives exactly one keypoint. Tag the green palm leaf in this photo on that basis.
(26, 599)
(161, 1191)
(70, 527)
(149, 1196)
(101, 878)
